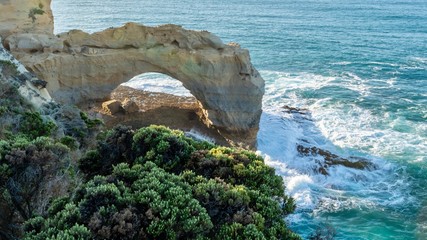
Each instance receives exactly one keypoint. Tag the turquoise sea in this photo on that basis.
(360, 69)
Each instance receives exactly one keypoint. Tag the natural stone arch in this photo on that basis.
(80, 66)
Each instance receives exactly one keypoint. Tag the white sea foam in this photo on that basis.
(343, 188)
(193, 133)
(347, 125)
(346, 130)
(343, 63)
(419, 59)
(383, 64)
(157, 82)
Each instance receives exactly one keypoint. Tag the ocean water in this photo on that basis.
(357, 67)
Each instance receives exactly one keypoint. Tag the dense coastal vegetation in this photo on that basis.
(70, 179)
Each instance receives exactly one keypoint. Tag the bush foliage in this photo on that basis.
(152, 183)
(156, 183)
(35, 166)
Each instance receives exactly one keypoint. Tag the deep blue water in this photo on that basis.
(359, 67)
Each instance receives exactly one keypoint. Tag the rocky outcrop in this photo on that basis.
(29, 86)
(79, 66)
(331, 159)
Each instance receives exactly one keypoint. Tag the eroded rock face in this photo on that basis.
(20, 16)
(79, 66)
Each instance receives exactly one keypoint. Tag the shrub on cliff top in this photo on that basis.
(169, 149)
(141, 202)
(34, 167)
(33, 172)
(157, 183)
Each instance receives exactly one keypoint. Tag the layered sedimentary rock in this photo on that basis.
(79, 66)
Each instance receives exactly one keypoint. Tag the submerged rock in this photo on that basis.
(289, 109)
(333, 159)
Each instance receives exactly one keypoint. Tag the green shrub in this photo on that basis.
(115, 148)
(155, 183)
(237, 166)
(29, 173)
(34, 126)
(8, 68)
(69, 142)
(150, 204)
(231, 206)
(90, 123)
(169, 149)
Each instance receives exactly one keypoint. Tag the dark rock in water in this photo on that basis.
(289, 109)
(301, 114)
(333, 159)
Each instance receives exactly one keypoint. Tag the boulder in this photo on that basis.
(33, 42)
(130, 106)
(112, 107)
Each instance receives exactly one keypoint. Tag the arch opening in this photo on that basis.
(158, 83)
(161, 100)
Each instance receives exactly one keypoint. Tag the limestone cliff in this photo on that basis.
(20, 16)
(79, 66)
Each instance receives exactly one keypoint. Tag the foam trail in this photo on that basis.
(199, 136)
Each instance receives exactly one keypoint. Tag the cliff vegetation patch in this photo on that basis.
(36, 11)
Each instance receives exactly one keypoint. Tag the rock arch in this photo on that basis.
(79, 66)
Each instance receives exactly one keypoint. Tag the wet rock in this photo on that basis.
(289, 109)
(333, 159)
